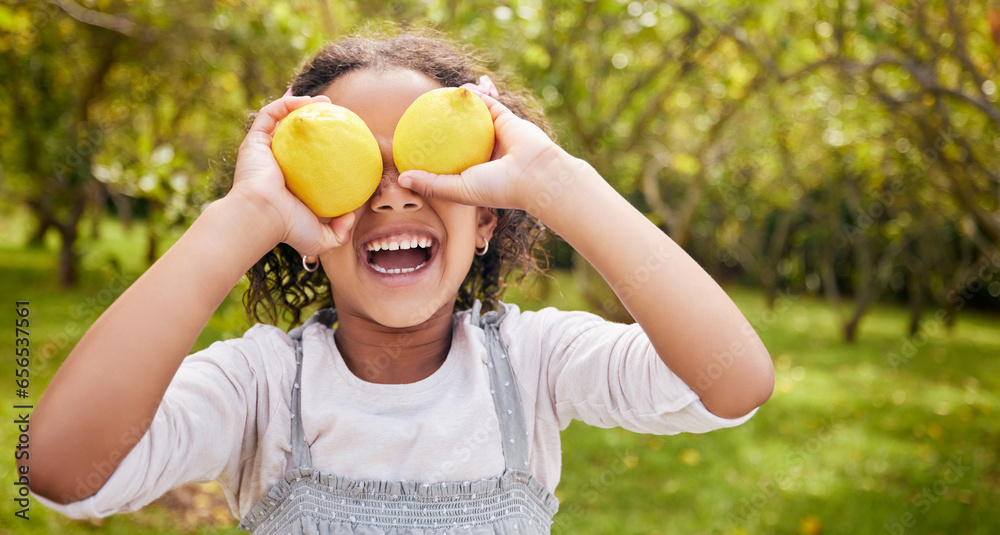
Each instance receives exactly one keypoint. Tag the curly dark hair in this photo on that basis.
(281, 287)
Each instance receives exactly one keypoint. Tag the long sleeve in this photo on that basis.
(604, 374)
(205, 428)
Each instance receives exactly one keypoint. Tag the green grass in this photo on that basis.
(884, 436)
(875, 437)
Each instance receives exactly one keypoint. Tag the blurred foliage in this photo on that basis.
(844, 148)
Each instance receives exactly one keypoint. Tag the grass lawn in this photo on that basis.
(889, 435)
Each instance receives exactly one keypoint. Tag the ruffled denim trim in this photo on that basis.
(307, 501)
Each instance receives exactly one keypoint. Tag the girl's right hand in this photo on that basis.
(258, 182)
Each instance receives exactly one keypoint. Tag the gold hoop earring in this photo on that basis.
(484, 249)
(310, 266)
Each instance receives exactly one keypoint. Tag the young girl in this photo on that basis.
(418, 413)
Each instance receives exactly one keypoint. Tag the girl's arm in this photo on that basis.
(104, 397)
(691, 322)
(693, 325)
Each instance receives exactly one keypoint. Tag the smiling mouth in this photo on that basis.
(400, 253)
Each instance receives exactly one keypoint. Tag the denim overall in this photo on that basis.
(307, 501)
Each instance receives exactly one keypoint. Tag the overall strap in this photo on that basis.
(300, 448)
(503, 386)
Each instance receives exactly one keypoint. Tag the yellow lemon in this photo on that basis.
(444, 131)
(329, 157)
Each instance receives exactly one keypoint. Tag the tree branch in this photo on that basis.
(115, 23)
(652, 110)
(924, 75)
(961, 46)
(645, 79)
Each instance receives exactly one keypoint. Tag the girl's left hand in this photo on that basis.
(523, 160)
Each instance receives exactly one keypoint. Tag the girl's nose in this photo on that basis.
(391, 197)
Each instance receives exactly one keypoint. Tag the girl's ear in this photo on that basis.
(486, 222)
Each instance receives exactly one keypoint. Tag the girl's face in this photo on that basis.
(407, 255)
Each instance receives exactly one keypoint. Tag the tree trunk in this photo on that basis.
(828, 276)
(100, 208)
(920, 262)
(69, 231)
(775, 250)
(851, 327)
(152, 242)
(955, 283)
(916, 303)
(68, 276)
(152, 233)
(769, 278)
(862, 301)
(37, 239)
(864, 266)
(123, 205)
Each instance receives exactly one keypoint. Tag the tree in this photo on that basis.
(848, 149)
(134, 92)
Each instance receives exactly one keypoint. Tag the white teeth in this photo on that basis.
(395, 243)
(396, 271)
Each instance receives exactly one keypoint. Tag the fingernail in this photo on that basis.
(405, 181)
(487, 86)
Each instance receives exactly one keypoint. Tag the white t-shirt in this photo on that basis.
(226, 414)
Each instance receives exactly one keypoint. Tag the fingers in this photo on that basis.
(476, 186)
(267, 120)
(421, 182)
(341, 227)
(450, 187)
(484, 86)
(488, 92)
(495, 106)
(331, 234)
(268, 117)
